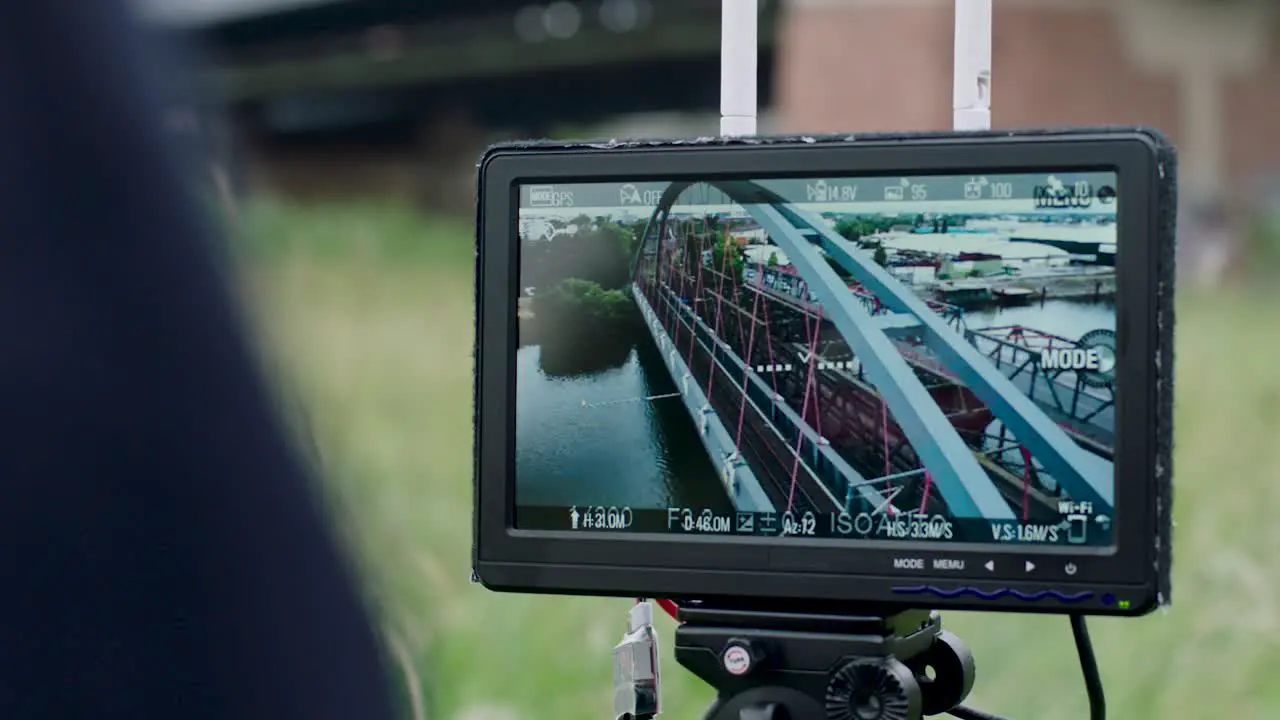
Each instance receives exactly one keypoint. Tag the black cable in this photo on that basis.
(968, 713)
(1088, 667)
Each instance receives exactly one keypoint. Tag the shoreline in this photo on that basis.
(1048, 287)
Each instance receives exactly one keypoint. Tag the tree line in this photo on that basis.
(580, 275)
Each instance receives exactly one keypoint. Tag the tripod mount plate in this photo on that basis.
(823, 664)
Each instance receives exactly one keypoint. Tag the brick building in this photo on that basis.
(1208, 74)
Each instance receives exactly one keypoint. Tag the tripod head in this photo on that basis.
(820, 663)
(841, 666)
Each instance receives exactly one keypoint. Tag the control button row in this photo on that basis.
(910, 563)
(951, 593)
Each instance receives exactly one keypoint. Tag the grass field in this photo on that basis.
(369, 308)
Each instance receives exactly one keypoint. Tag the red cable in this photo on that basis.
(817, 414)
(737, 294)
(663, 260)
(804, 406)
(768, 336)
(1026, 482)
(742, 339)
(684, 273)
(928, 485)
(884, 434)
(746, 370)
(693, 308)
(724, 258)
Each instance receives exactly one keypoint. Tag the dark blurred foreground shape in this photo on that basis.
(399, 97)
(162, 553)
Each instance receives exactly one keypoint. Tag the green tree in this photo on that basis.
(726, 255)
(575, 300)
(602, 255)
(859, 229)
(881, 256)
(773, 260)
(625, 237)
(849, 229)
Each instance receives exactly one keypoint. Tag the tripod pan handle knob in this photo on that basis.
(741, 656)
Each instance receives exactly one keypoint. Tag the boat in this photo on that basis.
(963, 293)
(1013, 295)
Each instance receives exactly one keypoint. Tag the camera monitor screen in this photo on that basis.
(924, 358)
(829, 370)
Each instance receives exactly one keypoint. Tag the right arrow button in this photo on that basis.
(1030, 566)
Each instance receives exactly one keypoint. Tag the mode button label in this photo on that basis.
(908, 563)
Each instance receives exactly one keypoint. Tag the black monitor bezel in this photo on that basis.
(628, 564)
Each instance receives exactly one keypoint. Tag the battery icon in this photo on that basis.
(1077, 528)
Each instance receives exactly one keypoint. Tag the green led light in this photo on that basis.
(1123, 604)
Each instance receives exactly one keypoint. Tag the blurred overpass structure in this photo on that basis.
(519, 64)
(437, 79)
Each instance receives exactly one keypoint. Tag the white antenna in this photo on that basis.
(739, 39)
(739, 47)
(971, 93)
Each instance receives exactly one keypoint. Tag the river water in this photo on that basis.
(586, 435)
(596, 438)
(1068, 318)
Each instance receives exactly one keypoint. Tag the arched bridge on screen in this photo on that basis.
(825, 383)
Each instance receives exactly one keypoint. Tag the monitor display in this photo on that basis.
(860, 358)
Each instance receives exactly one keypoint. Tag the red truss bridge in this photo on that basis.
(816, 392)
